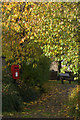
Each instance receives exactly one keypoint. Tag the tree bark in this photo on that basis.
(59, 66)
(59, 69)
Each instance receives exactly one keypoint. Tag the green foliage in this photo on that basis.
(32, 77)
(37, 73)
(74, 107)
(11, 100)
(52, 26)
(29, 93)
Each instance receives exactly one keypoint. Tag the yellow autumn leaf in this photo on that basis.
(35, 102)
(11, 114)
(19, 61)
(34, 65)
(35, 34)
(39, 110)
(23, 112)
(8, 64)
(22, 41)
(6, 44)
(32, 37)
(31, 102)
(40, 101)
(24, 103)
(9, 8)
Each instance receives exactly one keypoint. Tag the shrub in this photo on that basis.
(29, 94)
(11, 100)
(38, 75)
(73, 104)
(35, 76)
(31, 77)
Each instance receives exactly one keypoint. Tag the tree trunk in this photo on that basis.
(59, 69)
(59, 66)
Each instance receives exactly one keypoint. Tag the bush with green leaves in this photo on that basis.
(11, 99)
(29, 94)
(30, 84)
(73, 104)
(36, 76)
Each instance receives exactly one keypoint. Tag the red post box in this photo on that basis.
(15, 71)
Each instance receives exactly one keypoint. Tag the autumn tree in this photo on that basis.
(30, 30)
(56, 31)
(49, 26)
(17, 29)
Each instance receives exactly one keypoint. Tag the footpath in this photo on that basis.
(51, 105)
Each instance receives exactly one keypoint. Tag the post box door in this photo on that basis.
(15, 71)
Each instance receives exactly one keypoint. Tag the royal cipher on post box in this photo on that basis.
(15, 71)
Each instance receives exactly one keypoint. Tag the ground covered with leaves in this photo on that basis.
(53, 103)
